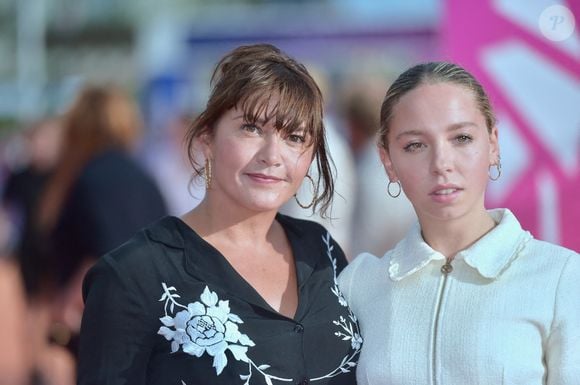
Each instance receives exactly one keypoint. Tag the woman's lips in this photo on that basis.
(445, 194)
(263, 178)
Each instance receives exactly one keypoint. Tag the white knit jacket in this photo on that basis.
(508, 313)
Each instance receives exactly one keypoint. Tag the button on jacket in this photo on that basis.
(167, 308)
(507, 313)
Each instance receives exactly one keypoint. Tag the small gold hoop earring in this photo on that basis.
(207, 169)
(498, 171)
(397, 183)
(314, 195)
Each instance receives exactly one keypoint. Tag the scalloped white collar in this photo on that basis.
(490, 255)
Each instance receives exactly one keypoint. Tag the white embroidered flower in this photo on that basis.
(206, 327)
(349, 329)
(356, 341)
(209, 327)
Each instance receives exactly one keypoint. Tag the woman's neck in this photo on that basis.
(451, 236)
(237, 226)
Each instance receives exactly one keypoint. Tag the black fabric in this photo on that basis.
(22, 196)
(167, 271)
(112, 199)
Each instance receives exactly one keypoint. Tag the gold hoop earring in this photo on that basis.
(314, 195)
(207, 169)
(498, 168)
(397, 183)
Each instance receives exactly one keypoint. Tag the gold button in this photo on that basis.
(447, 268)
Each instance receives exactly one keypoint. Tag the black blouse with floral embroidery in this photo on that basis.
(167, 308)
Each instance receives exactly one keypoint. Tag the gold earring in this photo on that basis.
(207, 173)
(397, 183)
(314, 197)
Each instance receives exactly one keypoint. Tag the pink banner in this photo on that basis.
(527, 55)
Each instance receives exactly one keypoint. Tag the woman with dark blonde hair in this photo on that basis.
(101, 118)
(232, 292)
(98, 195)
(468, 296)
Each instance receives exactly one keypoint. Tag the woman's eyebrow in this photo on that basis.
(451, 127)
(460, 125)
(409, 133)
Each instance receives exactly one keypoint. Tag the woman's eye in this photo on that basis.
(251, 128)
(413, 146)
(296, 138)
(463, 139)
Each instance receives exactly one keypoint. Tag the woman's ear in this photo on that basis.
(204, 143)
(387, 163)
(494, 146)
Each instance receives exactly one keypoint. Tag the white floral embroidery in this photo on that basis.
(204, 327)
(209, 327)
(350, 330)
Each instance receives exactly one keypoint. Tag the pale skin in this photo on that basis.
(255, 170)
(15, 363)
(24, 327)
(440, 150)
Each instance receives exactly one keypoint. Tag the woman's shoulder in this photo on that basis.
(558, 257)
(365, 261)
(155, 251)
(361, 266)
(304, 226)
(147, 246)
(551, 250)
(310, 233)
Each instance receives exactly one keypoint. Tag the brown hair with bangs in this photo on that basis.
(248, 78)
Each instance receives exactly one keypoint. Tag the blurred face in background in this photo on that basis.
(45, 143)
(440, 149)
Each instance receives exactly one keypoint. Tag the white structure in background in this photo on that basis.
(340, 225)
(380, 221)
(31, 58)
(550, 98)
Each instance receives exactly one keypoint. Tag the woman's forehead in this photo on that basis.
(439, 105)
(439, 99)
(274, 111)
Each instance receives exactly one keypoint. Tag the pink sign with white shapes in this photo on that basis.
(527, 56)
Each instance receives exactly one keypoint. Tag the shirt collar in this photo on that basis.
(494, 253)
(165, 231)
(490, 255)
(206, 264)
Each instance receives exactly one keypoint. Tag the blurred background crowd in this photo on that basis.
(95, 97)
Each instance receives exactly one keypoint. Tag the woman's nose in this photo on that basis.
(270, 150)
(442, 161)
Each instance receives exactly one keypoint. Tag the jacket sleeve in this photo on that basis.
(115, 341)
(563, 348)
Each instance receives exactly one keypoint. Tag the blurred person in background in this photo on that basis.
(232, 292)
(14, 364)
(468, 296)
(28, 354)
(96, 198)
(27, 357)
(168, 162)
(22, 191)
